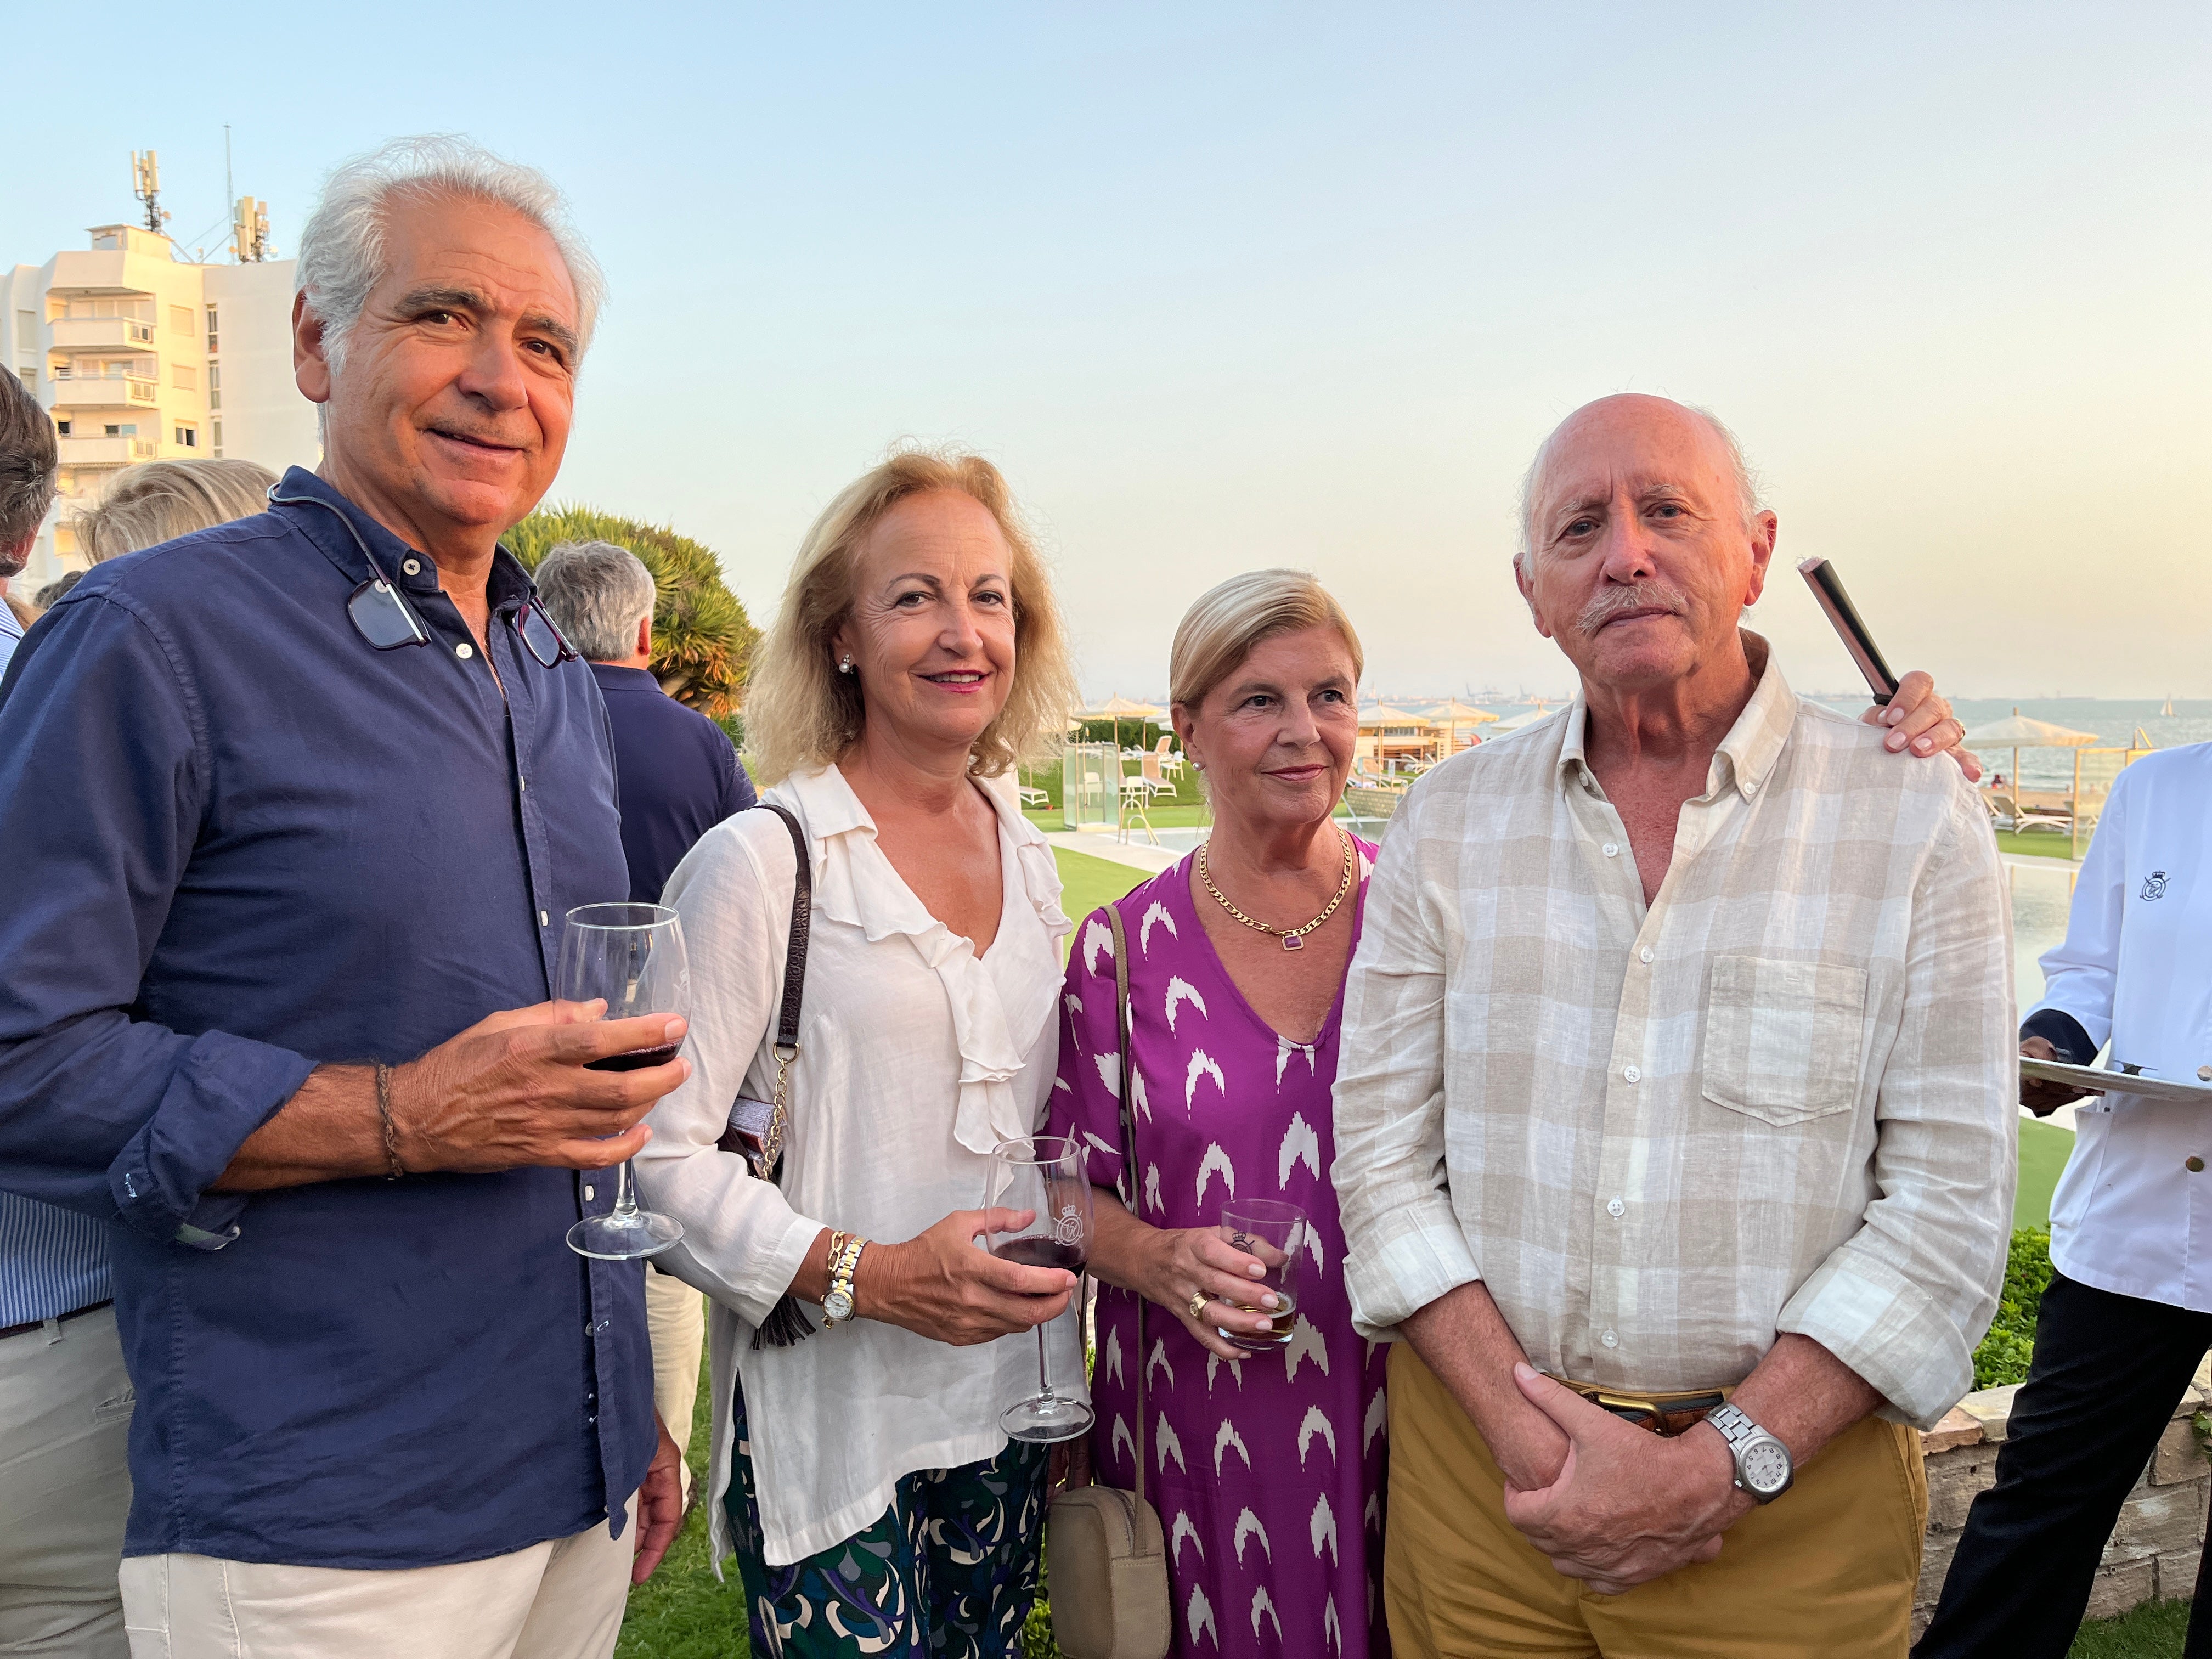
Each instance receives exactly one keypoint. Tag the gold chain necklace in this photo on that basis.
(1293, 938)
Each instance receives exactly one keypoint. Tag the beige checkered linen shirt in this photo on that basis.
(1781, 1099)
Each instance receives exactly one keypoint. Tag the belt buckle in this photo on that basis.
(1630, 1408)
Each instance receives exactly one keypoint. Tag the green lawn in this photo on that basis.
(2036, 844)
(2153, 1630)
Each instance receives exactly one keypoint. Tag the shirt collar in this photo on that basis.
(509, 584)
(613, 677)
(1746, 756)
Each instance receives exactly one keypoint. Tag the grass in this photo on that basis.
(2036, 844)
(2043, 1148)
(2153, 1631)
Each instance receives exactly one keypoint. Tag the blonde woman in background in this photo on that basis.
(860, 1474)
(157, 502)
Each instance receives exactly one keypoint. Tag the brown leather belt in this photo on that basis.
(1665, 1414)
(7, 1331)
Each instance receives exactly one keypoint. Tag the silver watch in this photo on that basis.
(1763, 1464)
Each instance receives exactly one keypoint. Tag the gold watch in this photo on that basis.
(845, 1255)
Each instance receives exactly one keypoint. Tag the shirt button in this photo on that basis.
(590, 1417)
(1613, 849)
(1646, 953)
(545, 918)
(412, 567)
(1610, 1340)
(2204, 1074)
(522, 783)
(464, 650)
(1751, 789)
(1634, 1074)
(587, 1194)
(1615, 1208)
(2194, 1165)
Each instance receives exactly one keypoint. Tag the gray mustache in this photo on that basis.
(1642, 596)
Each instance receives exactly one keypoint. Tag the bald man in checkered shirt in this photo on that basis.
(1675, 1123)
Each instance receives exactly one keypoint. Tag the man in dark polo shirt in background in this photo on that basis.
(677, 775)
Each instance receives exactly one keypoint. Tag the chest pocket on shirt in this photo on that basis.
(1782, 1038)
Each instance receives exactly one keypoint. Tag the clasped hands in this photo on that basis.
(1625, 1506)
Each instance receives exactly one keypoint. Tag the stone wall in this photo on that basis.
(2154, 1548)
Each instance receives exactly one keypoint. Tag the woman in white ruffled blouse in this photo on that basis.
(860, 1474)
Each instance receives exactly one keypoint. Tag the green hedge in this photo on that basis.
(2003, 1356)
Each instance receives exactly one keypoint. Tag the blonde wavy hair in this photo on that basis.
(802, 713)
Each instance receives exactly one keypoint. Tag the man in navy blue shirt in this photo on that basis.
(298, 807)
(676, 772)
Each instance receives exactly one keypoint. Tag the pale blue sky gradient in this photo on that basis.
(1227, 285)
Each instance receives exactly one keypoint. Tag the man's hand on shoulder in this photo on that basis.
(1628, 1506)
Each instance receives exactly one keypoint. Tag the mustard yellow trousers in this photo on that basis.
(1828, 1568)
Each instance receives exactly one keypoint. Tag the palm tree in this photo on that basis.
(703, 639)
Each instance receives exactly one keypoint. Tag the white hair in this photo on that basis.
(598, 593)
(1749, 498)
(342, 249)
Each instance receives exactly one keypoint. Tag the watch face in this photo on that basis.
(838, 1306)
(1766, 1466)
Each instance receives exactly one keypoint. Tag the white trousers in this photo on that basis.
(676, 1318)
(64, 1488)
(559, 1600)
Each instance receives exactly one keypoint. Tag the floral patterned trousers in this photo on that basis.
(951, 1569)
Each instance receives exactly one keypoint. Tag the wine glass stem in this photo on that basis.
(625, 1196)
(1044, 1369)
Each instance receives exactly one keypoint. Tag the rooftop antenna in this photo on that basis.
(249, 232)
(230, 188)
(146, 185)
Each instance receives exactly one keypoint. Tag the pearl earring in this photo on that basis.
(846, 666)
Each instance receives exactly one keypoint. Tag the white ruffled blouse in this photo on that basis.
(915, 1060)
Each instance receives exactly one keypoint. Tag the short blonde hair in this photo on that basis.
(1219, 631)
(157, 502)
(803, 712)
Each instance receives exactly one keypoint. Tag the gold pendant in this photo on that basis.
(1293, 942)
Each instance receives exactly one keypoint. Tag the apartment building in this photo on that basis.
(140, 355)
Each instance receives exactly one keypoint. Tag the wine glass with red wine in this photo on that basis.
(1047, 1175)
(632, 956)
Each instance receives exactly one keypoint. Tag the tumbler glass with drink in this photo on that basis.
(1273, 1234)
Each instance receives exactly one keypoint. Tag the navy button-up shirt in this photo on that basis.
(246, 843)
(680, 776)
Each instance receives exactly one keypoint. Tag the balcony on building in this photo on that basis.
(102, 334)
(106, 451)
(78, 386)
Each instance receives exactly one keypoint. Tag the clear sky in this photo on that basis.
(1225, 285)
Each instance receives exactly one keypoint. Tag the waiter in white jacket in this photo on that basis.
(2127, 1314)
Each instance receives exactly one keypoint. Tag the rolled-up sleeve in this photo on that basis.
(1905, 1299)
(743, 1241)
(103, 784)
(1404, 1244)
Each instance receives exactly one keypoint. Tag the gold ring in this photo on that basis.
(1198, 1301)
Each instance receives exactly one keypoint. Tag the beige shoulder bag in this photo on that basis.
(1105, 1554)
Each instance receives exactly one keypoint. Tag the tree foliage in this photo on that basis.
(703, 639)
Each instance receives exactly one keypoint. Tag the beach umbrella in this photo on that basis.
(2021, 732)
(1453, 714)
(1526, 717)
(1118, 709)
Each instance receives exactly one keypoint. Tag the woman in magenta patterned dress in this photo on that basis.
(1266, 1468)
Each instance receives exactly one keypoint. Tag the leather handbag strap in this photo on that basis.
(785, 1324)
(1128, 1149)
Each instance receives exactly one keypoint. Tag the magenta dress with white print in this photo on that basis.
(1268, 1473)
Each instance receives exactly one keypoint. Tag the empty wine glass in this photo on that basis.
(1048, 1175)
(632, 956)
